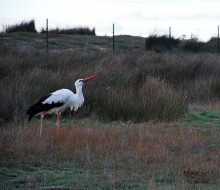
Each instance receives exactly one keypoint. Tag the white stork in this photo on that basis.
(58, 101)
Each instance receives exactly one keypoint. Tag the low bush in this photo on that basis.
(164, 43)
(72, 31)
(24, 26)
(160, 43)
(154, 100)
(194, 46)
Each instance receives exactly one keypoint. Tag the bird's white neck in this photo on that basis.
(79, 91)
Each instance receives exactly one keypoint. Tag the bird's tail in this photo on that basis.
(30, 117)
(30, 112)
(38, 107)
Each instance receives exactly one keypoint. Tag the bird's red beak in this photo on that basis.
(89, 78)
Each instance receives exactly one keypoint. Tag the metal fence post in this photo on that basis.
(113, 39)
(218, 40)
(47, 34)
(169, 37)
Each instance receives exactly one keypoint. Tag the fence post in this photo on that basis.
(113, 39)
(169, 37)
(47, 34)
(218, 39)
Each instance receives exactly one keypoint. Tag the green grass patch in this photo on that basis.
(71, 178)
(43, 178)
(204, 118)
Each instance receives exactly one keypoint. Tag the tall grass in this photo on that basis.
(116, 94)
(131, 86)
(153, 100)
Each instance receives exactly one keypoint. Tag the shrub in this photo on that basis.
(24, 26)
(154, 100)
(160, 43)
(158, 101)
(194, 46)
(77, 30)
(213, 44)
(164, 43)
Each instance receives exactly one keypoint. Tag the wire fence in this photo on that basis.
(48, 25)
(106, 29)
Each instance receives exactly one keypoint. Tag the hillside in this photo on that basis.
(36, 41)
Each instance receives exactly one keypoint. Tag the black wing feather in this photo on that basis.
(39, 107)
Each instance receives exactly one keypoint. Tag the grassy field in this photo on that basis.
(150, 121)
(94, 155)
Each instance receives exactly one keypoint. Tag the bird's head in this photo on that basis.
(79, 83)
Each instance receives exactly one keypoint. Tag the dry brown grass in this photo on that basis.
(160, 150)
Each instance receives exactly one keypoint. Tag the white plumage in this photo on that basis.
(67, 97)
(58, 101)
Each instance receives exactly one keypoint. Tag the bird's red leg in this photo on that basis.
(41, 123)
(58, 126)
